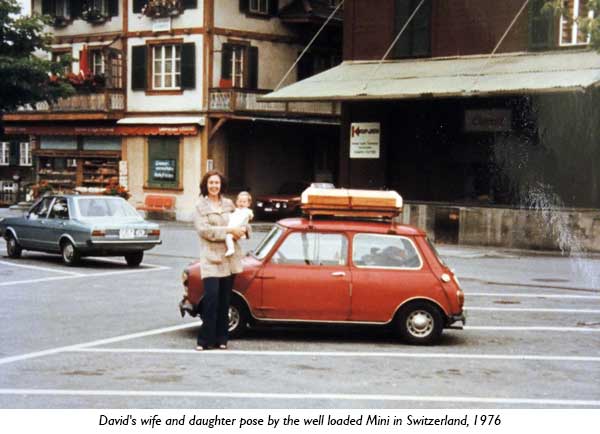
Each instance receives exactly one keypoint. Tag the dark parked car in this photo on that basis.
(284, 203)
(341, 271)
(77, 226)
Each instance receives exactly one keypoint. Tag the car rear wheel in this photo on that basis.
(70, 254)
(420, 323)
(134, 259)
(13, 248)
(238, 318)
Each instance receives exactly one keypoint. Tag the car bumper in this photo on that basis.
(120, 245)
(453, 321)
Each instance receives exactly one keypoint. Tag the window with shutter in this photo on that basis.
(163, 162)
(541, 26)
(239, 66)
(25, 154)
(190, 4)
(138, 67)
(188, 66)
(262, 8)
(570, 32)
(416, 38)
(4, 153)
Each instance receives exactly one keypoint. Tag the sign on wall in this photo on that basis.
(365, 139)
(493, 120)
(163, 170)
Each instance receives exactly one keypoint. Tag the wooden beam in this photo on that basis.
(216, 128)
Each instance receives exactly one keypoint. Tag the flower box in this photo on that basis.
(162, 8)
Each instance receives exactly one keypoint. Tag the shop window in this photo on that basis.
(259, 8)
(239, 66)
(172, 67)
(25, 154)
(570, 27)
(163, 162)
(139, 4)
(4, 153)
(100, 143)
(416, 38)
(58, 142)
(313, 63)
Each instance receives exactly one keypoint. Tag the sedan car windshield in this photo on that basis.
(105, 207)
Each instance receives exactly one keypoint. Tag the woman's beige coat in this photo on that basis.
(211, 225)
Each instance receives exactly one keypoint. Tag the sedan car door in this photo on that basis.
(34, 225)
(57, 221)
(307, 278)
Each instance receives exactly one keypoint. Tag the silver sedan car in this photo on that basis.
(76, 226)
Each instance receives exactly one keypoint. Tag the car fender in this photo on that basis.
(409, 300)
(68, 237)
(244, 299)
(12, 231)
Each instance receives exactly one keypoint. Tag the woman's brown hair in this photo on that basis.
(204, 182)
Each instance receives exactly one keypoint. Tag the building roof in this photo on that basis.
(515, 73)
(305, 11)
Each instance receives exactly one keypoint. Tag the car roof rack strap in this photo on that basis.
(342, 202)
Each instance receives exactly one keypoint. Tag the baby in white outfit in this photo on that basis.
(240, 217)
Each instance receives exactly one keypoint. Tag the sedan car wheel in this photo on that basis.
(13, 249)
(420, 323)
(134, 259)
(70, 254)
(238, 319)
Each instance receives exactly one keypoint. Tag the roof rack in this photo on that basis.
(360, 204)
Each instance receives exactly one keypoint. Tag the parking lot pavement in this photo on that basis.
(104, 335)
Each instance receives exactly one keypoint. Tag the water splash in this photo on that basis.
(541, 198)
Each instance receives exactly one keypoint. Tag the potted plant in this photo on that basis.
(162, 8)
(92, 14)
(114, 189)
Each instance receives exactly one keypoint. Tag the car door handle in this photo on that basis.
(338, 274)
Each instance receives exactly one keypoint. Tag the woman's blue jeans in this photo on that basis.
(215, 311)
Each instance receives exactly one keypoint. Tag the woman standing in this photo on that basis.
(217, 270)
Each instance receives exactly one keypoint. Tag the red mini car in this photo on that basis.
(341, 271)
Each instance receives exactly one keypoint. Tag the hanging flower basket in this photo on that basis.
(93, 16)
(162, 8)
(60, 21)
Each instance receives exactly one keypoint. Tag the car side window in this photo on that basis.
(310, 248)
(59, 209)
(41, 209)
(385, 251)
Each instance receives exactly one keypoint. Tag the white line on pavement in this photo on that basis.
(526, 309)
(79, 276)
(530, 295)
(533, 328)
(303, 396)
(35, 267)
(107, 341)
(353, 354)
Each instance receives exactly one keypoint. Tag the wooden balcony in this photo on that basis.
(245, 101)
(101, 105)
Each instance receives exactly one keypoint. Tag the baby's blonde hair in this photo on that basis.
(244, 193)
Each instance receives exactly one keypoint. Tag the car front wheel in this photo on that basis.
(13, 249)
(238, 319)
(70, 254)
(134, 259)
(420, 323)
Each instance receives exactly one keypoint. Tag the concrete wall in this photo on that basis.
(567, 229)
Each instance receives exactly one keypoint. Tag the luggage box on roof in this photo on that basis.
(351, 203)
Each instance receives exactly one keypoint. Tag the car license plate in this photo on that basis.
(268, 209)
(126, 233)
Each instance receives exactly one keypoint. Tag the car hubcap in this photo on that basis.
(68, 252)
(234, 318)
(420, 323)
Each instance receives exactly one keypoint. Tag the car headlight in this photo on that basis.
(277, 205)
(284, 205)
(184, 278)
(259, 204)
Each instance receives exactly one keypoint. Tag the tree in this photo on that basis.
(26, 77)
(587, 25)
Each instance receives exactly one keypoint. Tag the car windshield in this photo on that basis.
(267, 243)
(95, 207)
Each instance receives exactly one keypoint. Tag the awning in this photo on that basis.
(163, 120)
(516, 73)
(118, 130)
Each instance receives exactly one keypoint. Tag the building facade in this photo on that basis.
(483, 115)
(167, 90)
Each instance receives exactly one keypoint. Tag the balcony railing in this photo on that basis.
(89, 102)
(244, 100)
